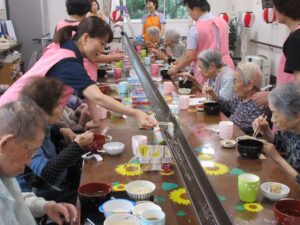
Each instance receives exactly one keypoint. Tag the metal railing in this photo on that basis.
(207, 207)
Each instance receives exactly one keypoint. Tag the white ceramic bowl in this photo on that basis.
(265, 188)
(140, 189)
(184, 91)
(114, 148)
(122, 219)
(116, 206)
(140, 208)
(226, 143)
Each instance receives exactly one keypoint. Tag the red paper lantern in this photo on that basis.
(116, 15)
(248, 19)
(269, 15)
(224, 16)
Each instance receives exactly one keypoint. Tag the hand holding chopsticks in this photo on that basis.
(258, 124)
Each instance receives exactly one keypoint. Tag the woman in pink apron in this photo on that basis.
(77, 11)
(288, 13)
(64, 60)
(209, 32)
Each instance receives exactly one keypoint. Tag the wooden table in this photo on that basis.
(197, 129)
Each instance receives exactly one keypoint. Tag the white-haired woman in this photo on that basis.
(247, 80)
(219, 76)
(283, 146)
(153, 41)
(175, 48)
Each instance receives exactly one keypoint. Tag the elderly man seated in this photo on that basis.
(283, 146)
(22, 131)
(247, 80)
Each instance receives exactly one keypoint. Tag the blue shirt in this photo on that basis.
(71, 70)
(241, 113)
(288, 144)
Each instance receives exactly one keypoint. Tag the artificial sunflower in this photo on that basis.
(165, 173)
(119, 187)
(129, 169)
(179, 196)
(192, 110)
(203, 156)
(213, 168)
(253, 207)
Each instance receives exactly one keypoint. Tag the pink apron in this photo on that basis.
(65, 23)
(89, 66)
(52, 54)
(283, 77)
(212, 34)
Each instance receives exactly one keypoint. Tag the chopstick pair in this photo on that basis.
(263, 116)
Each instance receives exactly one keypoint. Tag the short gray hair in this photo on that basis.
(22, 118)
(211, 56)
(250, 71)
(286, 99)
(153, 32)
(172, 35)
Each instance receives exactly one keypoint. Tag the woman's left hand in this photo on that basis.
(144, 120)
(270, 150)
(60, 212)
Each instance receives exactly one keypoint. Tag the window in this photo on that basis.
(173, 9)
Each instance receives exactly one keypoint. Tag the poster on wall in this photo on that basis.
(267, 4)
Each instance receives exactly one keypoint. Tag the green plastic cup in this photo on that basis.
(119, 64)
(248, 185)
(143, 53)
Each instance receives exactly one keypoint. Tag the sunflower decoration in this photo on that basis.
(179, 196)
(253, 207)
(167, 173)
(192, 110)
(214, 169)
(204, 156)
(129, 169)
(119, 187)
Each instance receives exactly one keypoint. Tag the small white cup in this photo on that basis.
(136, 141)
(153, 217)
(226, 129)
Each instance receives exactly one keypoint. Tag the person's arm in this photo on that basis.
(297, 76)
(264, 128)
(109, 58)
(186, 60)
(94, 95)
(34, 203)
(57, 212)
(272, 152)
(93, 111)
(50, 169)
(162, 30)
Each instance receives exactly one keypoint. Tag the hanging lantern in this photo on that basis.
(224, 16)
(248, 19)
(116, 16)
(269, 15)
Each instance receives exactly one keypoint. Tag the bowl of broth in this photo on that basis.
(91, 195)
(287, 211)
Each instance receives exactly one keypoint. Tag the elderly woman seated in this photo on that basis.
(220, 76)
(283, 146)
(53, 172)
(154, 38)
(247, 80)
(174, 49)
